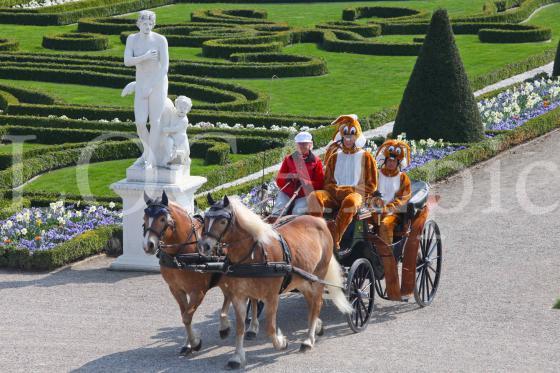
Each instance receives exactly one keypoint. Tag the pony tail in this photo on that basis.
(334, 276)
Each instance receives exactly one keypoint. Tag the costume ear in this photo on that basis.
(164, 199)
(210, 199)
(406, 155)
(226, 201)
(380, 155)
(361, 141)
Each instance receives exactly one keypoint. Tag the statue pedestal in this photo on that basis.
(180, 188)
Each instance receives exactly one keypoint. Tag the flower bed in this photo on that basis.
(39, 229)
(514, 107)
(46, 238)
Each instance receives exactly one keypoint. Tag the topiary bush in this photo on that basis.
(9, 45)
(72, 41)
(438, 101)
(556, 68)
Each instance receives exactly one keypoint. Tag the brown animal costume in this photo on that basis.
(394, 185)
(350, 177)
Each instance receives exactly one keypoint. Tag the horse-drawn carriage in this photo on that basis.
(233, 248)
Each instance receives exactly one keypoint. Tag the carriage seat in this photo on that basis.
(420, 191)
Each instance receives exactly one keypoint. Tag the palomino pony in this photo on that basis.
(170, 229)
(244, 238)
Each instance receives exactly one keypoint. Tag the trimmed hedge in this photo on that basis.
(108, 26)
(511, 36)
(6, 98)
(223, 48)
(334, 41)
(370, 30)
(217, 95)
(394, 13)
(84, 245)
(9, 45)
(28, 95)
(71, 12)
(76, 42)
(234, 16)
(516, 15)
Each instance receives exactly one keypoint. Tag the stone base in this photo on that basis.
(132, 193)
(176, 174)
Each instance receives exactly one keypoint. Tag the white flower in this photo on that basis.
(23, 231)
(111, 205)
(61, 220)
(116, 120)
(92, 209)
(78, 214)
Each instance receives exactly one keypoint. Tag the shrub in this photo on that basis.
(556, 67)
(8, 45)
(514, 36)
(391, 13)
(6, 98)
(370, 30)
(450, 110)
(76, 42)
(109, 26)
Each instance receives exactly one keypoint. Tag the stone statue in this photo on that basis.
(148, 51)
(174, 128)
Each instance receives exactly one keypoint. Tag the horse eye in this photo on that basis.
(391, 148)
(353, 131)
(345, 130)
(399, 151)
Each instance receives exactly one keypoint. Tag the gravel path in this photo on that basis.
(388, 127)
(492, 312)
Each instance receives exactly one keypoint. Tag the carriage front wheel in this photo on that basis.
(360, 291)
(428, 264)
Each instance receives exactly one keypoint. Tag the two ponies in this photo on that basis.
(171, 230)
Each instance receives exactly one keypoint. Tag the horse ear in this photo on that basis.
(226, 201)
(164, 199)
(210, 199)
(147, 199)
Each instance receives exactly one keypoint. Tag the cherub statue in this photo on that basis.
(174, 129)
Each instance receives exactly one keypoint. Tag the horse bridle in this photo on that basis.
(217, 213)
(155, 210)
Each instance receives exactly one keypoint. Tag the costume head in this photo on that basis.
(146, 21)
(394, 149)
(348, 125)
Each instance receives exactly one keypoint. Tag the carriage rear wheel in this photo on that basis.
(428, 264)
(360, 291)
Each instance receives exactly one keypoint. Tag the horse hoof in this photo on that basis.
(250, 336)
(224, 333)
(304, 347)
(233, 365)
(198, 346)
(185, 350)
(320, 331)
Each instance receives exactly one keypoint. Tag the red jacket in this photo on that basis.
(307, 172)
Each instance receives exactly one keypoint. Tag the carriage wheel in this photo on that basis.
(428, 264)
(380, 288)
(360, 293)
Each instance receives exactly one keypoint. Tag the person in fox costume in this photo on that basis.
(350, 176)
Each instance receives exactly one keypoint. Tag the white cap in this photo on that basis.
(303, 137)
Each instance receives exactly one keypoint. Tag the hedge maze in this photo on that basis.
(234, 44)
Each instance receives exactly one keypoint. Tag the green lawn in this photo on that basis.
(356, 83)
(95, 179)
(8, 148)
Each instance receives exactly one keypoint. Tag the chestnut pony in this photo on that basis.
(244, 238)
(169, 228)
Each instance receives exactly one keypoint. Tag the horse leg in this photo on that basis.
(181, 299)
(238, 359)
(224, 319)
(313, 294)
(195, 298)
(254, 326)
(279, 341)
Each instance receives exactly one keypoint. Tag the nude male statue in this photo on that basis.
(148, 51)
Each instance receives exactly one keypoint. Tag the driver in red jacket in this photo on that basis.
(302, 168)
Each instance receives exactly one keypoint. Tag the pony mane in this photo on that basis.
(252, 223)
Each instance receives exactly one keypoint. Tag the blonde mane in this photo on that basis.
(252, 223)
